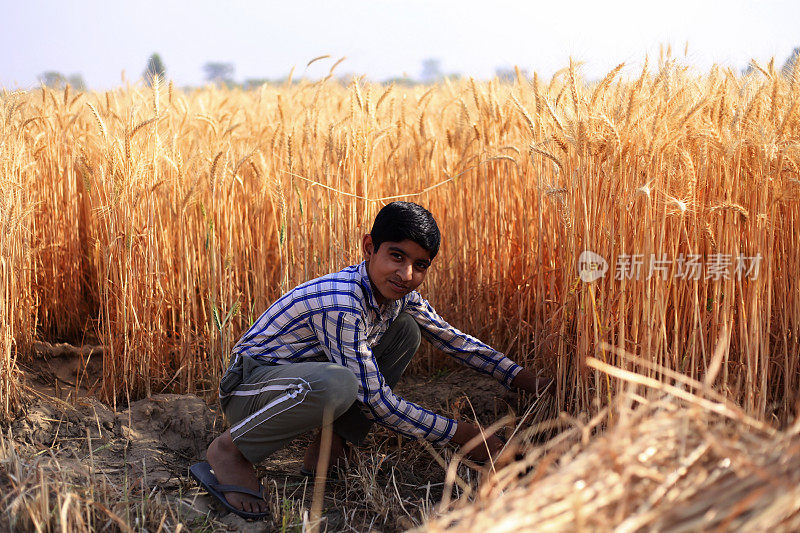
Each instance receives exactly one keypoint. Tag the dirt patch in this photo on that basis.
(393, 483)
(168, 431)
(459, 393)
(182, 424)
(64, 371)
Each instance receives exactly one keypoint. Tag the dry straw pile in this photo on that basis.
(679, 461)
(165, 221)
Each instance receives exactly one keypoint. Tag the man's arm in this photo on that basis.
(470, 351)
(482, 444)
(527, 381)
(343, 337)
(464, 348)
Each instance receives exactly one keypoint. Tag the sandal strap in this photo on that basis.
(237, 488)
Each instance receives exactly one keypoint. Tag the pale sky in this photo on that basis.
(381, 38)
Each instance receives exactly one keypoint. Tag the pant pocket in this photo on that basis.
(232, 378)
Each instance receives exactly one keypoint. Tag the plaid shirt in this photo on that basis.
(337, 314)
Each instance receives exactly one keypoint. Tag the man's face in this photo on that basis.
(396, 268)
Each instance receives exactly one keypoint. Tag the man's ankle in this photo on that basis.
(223, 446)
(337, 451)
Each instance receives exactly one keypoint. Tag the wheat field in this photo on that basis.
(161, 222)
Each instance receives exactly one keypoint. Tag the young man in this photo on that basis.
(340, 343)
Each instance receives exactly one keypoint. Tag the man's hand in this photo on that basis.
(469, 438)
(527, 381)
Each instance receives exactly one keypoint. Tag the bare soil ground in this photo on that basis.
(145, 450)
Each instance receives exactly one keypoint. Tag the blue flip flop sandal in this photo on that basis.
(201, 472)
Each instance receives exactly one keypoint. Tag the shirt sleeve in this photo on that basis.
(342, 336)
(464, 348)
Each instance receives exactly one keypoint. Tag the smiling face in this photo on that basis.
(396, 268)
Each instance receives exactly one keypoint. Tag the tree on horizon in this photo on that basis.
(431, 70)
(155, 67)
(57, 80)
(788, 65)
(218, 72)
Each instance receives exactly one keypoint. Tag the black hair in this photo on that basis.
(399, 221)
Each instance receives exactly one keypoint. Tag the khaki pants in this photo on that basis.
(269, 405)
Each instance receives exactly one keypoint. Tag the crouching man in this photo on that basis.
(335, 347)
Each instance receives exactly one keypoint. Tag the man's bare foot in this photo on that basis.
(231, 468)
(338, 452)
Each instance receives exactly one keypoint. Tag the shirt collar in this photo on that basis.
(367, 286)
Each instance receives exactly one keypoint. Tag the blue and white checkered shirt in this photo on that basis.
(337, 314)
